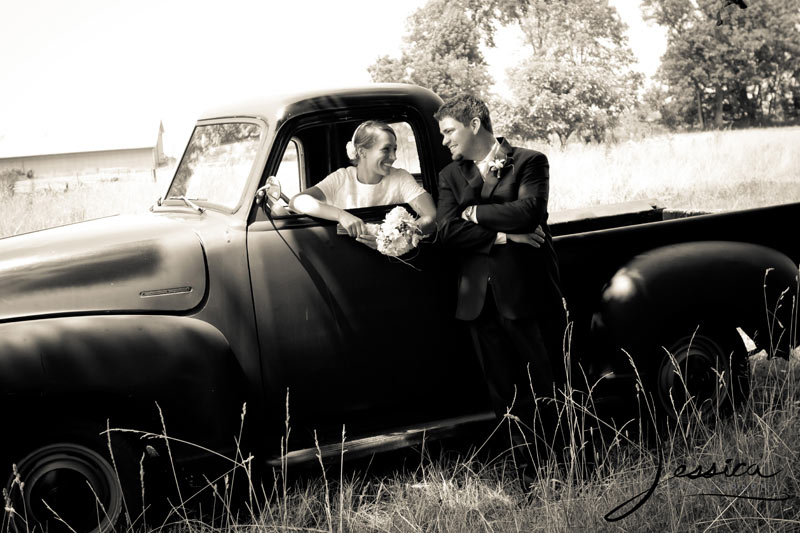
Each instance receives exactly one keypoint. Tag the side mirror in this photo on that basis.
(269, 197)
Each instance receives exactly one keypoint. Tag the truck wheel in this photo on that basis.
(74, 481)
(701, 375)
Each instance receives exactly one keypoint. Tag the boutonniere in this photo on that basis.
(498, 164)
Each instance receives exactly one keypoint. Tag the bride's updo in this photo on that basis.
(365, 136)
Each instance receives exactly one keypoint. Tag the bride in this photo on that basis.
(370, 181)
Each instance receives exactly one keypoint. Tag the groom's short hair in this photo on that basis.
(464, 108)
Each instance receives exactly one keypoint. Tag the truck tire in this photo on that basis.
(702, 375)
(74, 474)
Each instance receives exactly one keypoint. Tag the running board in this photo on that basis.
(381, 443)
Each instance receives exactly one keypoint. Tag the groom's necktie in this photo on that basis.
(489, 179)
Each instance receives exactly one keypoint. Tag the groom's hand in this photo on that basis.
(469, 214)
(534, 239)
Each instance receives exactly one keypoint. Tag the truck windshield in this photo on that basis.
(216, 163)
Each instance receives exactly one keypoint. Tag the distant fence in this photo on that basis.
(63, 182)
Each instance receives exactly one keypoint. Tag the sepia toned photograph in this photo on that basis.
(435, 265)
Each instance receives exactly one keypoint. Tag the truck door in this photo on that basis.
(358, 338)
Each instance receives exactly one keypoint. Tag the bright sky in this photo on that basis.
(70, 65)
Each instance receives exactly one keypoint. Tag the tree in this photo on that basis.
(579, 76)
(577, 32)
(577, 79)
(442, 49)
(560, 99)
(7, 179)
(745, 70)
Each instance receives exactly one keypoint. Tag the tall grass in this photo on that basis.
(479, 491)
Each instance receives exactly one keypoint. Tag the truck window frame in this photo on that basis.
(335, 157)
(300, 164)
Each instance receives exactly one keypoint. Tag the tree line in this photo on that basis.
(723, 66)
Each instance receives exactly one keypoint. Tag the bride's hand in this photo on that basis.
(368, 240)
(353, 225)
(427, 225)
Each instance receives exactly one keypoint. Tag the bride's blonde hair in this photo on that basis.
(365, 136)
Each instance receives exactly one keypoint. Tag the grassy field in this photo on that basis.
(433, 490)
(708, 171)
(47, 208)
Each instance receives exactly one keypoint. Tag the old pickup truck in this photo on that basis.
(220, 297)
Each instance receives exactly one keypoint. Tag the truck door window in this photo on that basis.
(290, 171)
(316, 150)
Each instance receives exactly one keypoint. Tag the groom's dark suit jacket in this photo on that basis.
(524, 279)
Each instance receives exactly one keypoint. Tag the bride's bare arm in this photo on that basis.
(426, 209)
(312, 202)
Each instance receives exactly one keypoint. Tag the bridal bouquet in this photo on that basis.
(398, 234)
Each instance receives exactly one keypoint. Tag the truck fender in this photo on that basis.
(674, 310)
(118, 366)
(682, 286)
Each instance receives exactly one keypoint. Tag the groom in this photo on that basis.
(492, 214)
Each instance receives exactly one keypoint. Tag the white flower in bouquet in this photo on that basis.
(398, 234)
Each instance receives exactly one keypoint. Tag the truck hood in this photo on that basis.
(144, 263)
